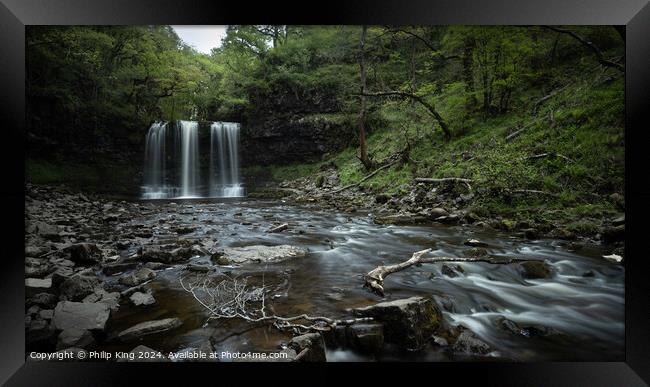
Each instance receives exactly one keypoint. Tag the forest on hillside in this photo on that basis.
(492, 156)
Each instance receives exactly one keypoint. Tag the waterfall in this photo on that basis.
(174, 164)
(224, 160)
(154, 153)
(190, 155)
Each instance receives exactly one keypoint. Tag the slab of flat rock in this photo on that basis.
(149, 328)
(81, 315)
(257, 254)
(79, 338)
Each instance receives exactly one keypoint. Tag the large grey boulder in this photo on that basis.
(257, 254)
(408, 323)
(74, 337)
(149, 328)
(139, 276)
(468, 343)
(80, 315)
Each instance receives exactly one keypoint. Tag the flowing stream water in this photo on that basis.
(583, 299)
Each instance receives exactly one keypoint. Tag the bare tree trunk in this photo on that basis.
(363, 148)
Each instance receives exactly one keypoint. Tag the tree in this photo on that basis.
(363, 147)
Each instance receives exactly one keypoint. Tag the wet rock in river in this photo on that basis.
(313, 343)
(475, 243)
(137, 277)
(401, 219)
(149, 328)
(535, 269)
(199, 268)
(476, 252)
(80, 315)
(468, 343)
(452, 270)
(407, 322)
(73, 337)
(257, 254)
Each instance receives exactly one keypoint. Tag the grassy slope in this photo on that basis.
(584, 122)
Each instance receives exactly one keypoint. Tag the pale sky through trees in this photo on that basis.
(202, 38)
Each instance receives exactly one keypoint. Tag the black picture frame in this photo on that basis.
(634, 14)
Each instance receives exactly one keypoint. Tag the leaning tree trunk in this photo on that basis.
(363, 148)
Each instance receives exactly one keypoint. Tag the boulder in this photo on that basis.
(314, 344)
(137, 277)
(535, 269)
(365, 337)
(74, 337)
(149, 328)
(257, 254)
(452, 271)
(78, 286)
(85, 253)
(468, 343)
(142, 299)
(407, 322)
(80, 315)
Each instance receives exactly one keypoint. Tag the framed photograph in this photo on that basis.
(440, 187)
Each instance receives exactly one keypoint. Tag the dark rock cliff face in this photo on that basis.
(293, 138)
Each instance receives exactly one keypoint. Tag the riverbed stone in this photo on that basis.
(45, 300)
(118, 267)
(137, 277)
(37, 285)
(535, 270)
(257, 254)
(407, 322)
(314, 344)
(149, 328)
(85, 253)
(142, 299)
(74, 337)
(468, 343)
(78, 286)
(80, 315)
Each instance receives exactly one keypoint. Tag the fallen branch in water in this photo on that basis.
(230, 297)
(364, 179)
(279, 228)
(374, 280)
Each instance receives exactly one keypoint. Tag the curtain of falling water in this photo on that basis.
(190, 155)
(224, 156)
